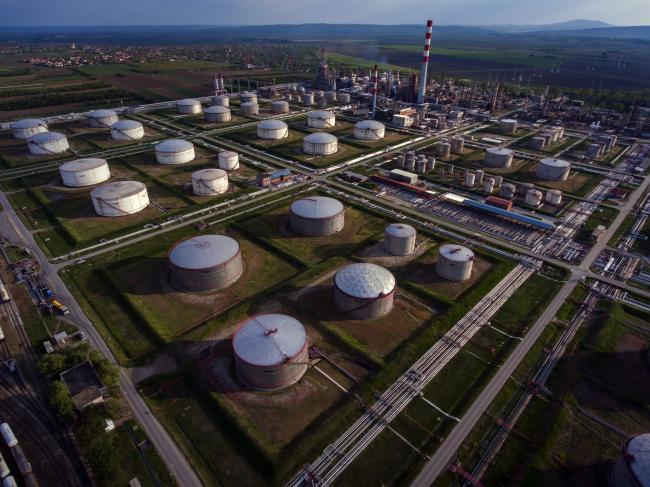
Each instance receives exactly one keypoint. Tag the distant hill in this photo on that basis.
(576, 24)
(641, 32)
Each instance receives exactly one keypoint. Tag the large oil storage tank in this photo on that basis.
(221, 101)
(533, 198)
(27, 127)
(308, 99)
(498, 157)
(127, 130)
(280, 106)
(443, 149)
(553, 169)
(399, 239)
(47, 143)
(188, 106)
(271, 351)
(228, 160)
(317, 216)
(205, 263)
(455, 262)
(102, 119)
(174, 151)
(272, 129)
(247, 97)
(330, 96)
(343, 97)
(553, 196)
(364, 290)
(84, 172)
(321, 119)
(457, 145)
(249, 108)
(369, 130)
(209, 182)
(508, 125)
(217, 114)
(633, 467)
(320, 143)
(120, 198)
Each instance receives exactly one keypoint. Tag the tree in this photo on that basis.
(60, 399)
(53, 363)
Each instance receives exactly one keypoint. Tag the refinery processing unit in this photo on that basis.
(326, 275)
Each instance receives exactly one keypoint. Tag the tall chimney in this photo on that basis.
(425, 62)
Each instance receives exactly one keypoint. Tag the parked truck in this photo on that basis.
(59, 307)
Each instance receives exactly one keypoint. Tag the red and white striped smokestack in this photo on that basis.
(425, 62)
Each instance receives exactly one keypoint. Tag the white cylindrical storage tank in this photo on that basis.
(120, 198)
(431, 164)
(102, 119)
(498, 157)
(320, 143)
(217, 114)
(554, 196)
(127, 130)
(84, 172)
(488, 185)
(174, 151)
(399, 239)
(330, 96)
(188, 106)
(469, 179)
(633, 467)
(272, 129)
(457, 145)
(443, 149)
(308, 99)
(228, 160)
(479, 176)
(247, 97)
(271, 351)
(321, 119)
(508, 125)
(537, 143)
(280, 106)
(369, 130)
(221, 101)
(498, 180)
(47, 144)
(533, 197)
(205, 263)
(524, 188)
(343, 97)
(553, 169)
(455, 262)
(364, 291)
(27, 127)
(209, 182)
(317, 216)
(249, 108)
(8, 435)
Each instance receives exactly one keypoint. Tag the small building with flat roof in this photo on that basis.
(84, 385)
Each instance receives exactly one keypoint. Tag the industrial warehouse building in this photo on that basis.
(209, 182)
(102, 119)
(174, 151)
(188, 106)
(369, 130)
(399, 239)
(84, 172)
(127, 130)
(455, 262)
(120, 198)
(321, 119)
(271, 351)
(553, 169)
(47, 144)
(205, 263)
(364, 291)
(317, 216)
(27, 127)
(272, 129)
(320, 143)
(217, 114)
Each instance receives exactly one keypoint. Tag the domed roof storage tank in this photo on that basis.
(364, 291)
(455, 262)
(174, 151)
(127, 130)
(205, 263)
(320, 143)
(399, 239)
(633, 467)
(280, 106)
(369, 130)
(553, 169)
(209, 182)
(188, 106)
(102, 119)
(271, 351)
(498, 157)
(247, 97)
(321, 119)
(221, 100)
(249, 108)
(84, 172)
(120, 198)
(317, 216)
(25, 128)
(228, 160)
(217, 114)
(272, 129)
(47, 144)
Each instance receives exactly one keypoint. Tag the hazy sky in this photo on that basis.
(124, 12)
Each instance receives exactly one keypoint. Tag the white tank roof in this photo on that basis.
(499, 150)
(638, 449)
(102, 113)
(204, 252)
(270, 339)
(126, 125)
(320, 114)
(316, 207)
(272, 124)
(370, 125)
(365, 280)
(249, 104)
(28, 123)
(216, 109)
(188, 102)
(173, 146)
(82, 164)
(209, 174)
(508, 120)
(551, 161)
(456, 253)
(45, 137)
(320, 138)
(118, 189)
(228, 153)
(400, 230)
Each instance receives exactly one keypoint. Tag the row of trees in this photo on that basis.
(95, 85)
(64, 98)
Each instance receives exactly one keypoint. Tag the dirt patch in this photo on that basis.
(377, 255)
